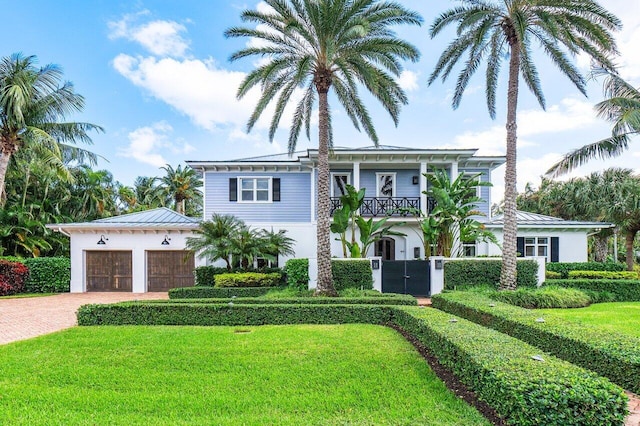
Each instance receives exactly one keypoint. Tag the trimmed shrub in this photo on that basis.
(603, 275)
(400, 299)
(215, 292)
(248, 279)
(297, 271)
(12, 277)
(46, 274)
(499, 368)
(544, 298)
(563, 268)
(612, 355)
(205, 276)
(352, 273)
(604, 290)
(461, 274)
(550, 275)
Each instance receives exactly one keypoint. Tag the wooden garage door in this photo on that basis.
(169, 269)
(109, 271)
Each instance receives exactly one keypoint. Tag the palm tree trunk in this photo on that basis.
(325, 281)
(629, 240)
(510, 231)
(4, 165)
(601, 247)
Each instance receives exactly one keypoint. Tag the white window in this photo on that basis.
(385, 184)
(469, 249)
(254, 189)
(338, 183)
(537, 246)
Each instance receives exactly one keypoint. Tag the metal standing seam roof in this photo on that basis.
(156, 218)
(534, 219)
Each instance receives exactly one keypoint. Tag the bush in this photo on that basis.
(46, 274)
(603, 275)
(214, 292)
(248, 279)
(461, 274)
(297, 271)
(563, 268)
(391, 300)
(612, 355)
(352, 274)
(205, 276)
(497, 367)
(544, 298)
(550, 275)
(13, 276)
(604, 290)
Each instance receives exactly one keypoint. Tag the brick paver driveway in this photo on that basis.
(30, 317)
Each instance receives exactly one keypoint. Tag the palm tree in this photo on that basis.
(214, 238)
(492, 31)
(276, 244)
(622, 108)
(315, 46)
(32, 105)
(180, 185)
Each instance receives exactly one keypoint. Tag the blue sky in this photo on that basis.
(156, 76)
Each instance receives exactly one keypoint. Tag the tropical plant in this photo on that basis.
(493, 31)
(33, 103)
(371, 232)
(345, 217)
(622, 108)
(213, 238)
(314, 46)
(277, 244)
(181, 185)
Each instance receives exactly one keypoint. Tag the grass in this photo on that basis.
(285, 375)
(26, 295)
(620, 317)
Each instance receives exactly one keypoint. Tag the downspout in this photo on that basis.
(63, 232)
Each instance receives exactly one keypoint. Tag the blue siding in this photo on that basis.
(404, 182)
(484, 206)
(295, 195)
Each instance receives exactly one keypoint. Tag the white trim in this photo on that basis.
(536, 245)
(331, 179)
(393, 182)
(255, 190)
(478, 188)
(313, 195)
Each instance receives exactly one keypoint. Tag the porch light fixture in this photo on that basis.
(416, 252)
(414, 179)
(166, 240)
(102, 241)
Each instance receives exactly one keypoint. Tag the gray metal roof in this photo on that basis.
(528, 219)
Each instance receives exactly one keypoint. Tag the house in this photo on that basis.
(135, 252)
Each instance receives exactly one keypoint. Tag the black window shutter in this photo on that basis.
(520, 246)
(233, 189)
(275, 189)
(555, 249)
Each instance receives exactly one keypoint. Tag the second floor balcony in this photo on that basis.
(386, 206)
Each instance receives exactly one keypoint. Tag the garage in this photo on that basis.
(109, 270)
(169, 269)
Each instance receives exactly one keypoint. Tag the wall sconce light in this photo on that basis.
(102, 241)
(166, 240)
(375, 263)
(415, 180)
(416, 252)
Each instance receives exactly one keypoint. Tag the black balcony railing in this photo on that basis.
(386, 206)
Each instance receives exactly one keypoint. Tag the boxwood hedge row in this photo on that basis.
(612, 355)
(460, 274)
(613, 290)
(215, 292)
(499, 368)
(563, 268)
(400, 299)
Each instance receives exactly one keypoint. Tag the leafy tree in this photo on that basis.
(181, 185)
(33, 103)
(315, 46)
(491, 31)
(622, 108)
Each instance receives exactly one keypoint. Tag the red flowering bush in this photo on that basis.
(12, 277)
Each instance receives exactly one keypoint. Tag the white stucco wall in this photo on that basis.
(138, 242)
(572, 245)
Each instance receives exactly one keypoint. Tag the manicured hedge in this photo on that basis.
(550, 275)
(297, 271)
(13, 276)
(564, 267)
(352, 274)
(545, 297)
(603, 275)
(205, 275)
(612, 355)
(214, 292)
(460, 274)
(604, 290)
(399, 299)
(497, 367)
(46, 274)
(248, 279)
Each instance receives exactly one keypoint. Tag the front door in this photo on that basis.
(386, 249)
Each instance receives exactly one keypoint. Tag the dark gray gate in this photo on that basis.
(406, 277)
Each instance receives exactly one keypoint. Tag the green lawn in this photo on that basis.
(27, 295)
(285, 375)
(621, 317)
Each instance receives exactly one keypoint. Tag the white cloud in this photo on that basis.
(408, 81)
(159, 37)
(145, 144)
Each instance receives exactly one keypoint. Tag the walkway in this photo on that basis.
(34, 316)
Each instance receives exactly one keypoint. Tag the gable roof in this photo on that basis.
(155, 219)
(535, 220)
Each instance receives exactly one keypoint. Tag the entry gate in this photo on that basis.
(406, 277)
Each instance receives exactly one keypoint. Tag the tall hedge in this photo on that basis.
(352, 274)
(297, 271)
(563, 268)
(461, 274)
(46, 274)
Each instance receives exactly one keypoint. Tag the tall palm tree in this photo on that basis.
(181, 185)
(491, 31)
(315, 46)
(622, 108)
(32, 104)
